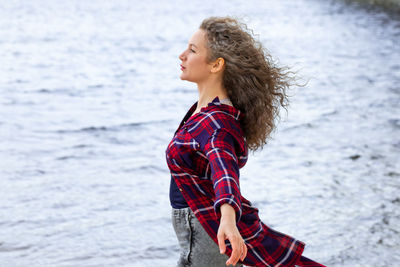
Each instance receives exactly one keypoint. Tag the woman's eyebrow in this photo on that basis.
(193, 45)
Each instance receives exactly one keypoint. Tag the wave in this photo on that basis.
(114, 128)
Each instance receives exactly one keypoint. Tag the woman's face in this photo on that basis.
(194, 65)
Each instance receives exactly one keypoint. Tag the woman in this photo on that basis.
(240, 93)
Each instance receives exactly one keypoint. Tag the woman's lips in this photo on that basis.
(182, 67)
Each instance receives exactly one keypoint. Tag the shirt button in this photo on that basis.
(180, 189)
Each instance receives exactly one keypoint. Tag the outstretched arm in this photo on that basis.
(220, 151)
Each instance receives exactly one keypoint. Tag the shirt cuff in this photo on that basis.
(233, 201)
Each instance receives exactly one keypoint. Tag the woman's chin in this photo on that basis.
(185, 78)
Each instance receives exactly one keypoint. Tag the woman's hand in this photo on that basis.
(228, 230)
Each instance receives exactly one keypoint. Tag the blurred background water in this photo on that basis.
(90, 97)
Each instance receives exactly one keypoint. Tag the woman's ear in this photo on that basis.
(218, 65)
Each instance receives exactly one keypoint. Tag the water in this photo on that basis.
(90, 97)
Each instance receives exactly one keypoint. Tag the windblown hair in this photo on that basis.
(254, 84)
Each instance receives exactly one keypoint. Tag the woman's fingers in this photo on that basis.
(221, 242)
(239, 252)
(236, 250)
(228, 230)
(244, 254)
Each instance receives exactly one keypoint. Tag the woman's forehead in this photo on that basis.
(197, 38)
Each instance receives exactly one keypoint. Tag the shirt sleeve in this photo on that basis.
(220, 152)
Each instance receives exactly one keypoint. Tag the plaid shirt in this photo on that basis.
(204, 158)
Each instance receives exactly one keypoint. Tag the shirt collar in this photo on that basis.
(215, 103)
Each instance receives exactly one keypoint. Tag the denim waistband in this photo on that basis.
(182, 211)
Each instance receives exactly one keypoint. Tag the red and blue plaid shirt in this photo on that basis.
(204, 158)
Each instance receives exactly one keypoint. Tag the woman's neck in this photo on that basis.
(207, 92)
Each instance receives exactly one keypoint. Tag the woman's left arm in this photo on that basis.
(228, 230)
(220, 151)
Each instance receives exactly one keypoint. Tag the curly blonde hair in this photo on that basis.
(254, 84)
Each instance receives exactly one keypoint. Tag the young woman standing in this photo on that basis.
(240, 94)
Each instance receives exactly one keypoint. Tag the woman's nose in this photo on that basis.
(182, 56)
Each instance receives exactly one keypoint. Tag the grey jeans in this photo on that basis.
(197, 247)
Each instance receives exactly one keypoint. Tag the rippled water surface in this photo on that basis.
(90, 96)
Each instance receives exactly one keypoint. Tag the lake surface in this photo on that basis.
(90, 97)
